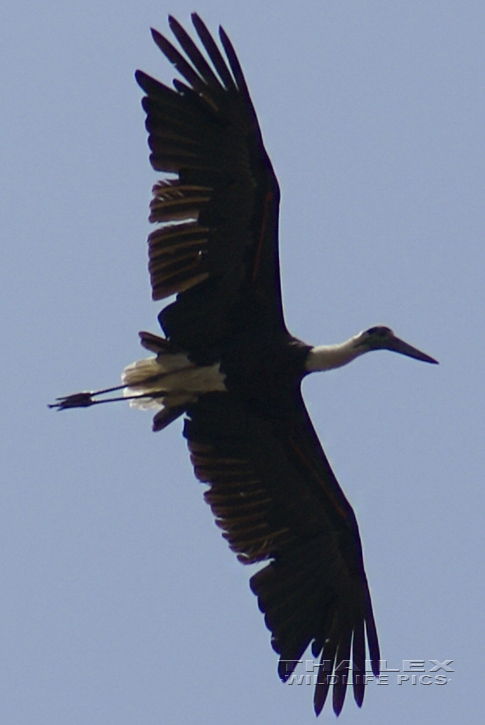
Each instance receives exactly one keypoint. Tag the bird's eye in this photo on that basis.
(378, 331)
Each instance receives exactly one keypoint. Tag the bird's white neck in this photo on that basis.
(327, 357)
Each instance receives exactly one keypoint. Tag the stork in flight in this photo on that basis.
(230, 366)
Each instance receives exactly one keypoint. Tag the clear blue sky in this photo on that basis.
(119, 601)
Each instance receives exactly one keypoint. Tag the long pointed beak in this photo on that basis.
(397, 345)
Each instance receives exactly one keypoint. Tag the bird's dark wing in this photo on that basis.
(218, 217)
(275, 497)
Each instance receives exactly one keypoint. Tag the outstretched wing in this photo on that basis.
(271, 488)
(275, 497)
(218, 233)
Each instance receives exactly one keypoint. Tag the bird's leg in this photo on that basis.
(86, 398)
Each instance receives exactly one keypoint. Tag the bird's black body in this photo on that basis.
(229, 364)
(271, 488)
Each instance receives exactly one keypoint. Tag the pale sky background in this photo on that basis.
(119, 601)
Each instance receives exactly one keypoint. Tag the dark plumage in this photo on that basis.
(230, 365)
(271, 488)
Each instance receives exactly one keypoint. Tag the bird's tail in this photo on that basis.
(168, 382)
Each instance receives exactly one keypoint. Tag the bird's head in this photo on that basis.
(383, 338)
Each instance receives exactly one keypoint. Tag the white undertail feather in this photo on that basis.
(169, 380)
